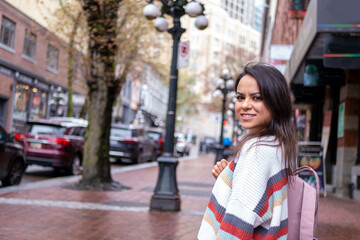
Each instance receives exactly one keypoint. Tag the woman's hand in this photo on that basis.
(219, 167)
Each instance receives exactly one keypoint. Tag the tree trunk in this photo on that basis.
(96, 150)
(103, 88)
(70, 82)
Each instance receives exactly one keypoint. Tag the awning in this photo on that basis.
(324, 19)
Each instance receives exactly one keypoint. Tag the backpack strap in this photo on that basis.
(317, 188)
(307, 168)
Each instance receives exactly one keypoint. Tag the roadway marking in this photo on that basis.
(69, 204)
(81, 205)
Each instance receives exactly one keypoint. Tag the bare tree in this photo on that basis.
(103, 87)
(119, 40)
(69, 23)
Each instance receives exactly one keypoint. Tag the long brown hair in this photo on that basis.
(275, 93)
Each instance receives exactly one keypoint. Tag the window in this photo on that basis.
(38, 104)
(230, 34)
(22, 100)
(242, 39)
(47, 129)
(52, 58)
(29, 44)
(216, 42)
(218, 28)
(7, 32)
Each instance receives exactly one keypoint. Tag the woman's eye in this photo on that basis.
(239, 98)
(258, 98)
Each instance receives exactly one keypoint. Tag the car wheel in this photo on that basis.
(15, 174)
(75, 168)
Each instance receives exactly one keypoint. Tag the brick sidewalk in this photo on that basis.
(55, 212)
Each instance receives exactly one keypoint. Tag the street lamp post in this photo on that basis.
(225, 85)
(57, 99)
(166, 194)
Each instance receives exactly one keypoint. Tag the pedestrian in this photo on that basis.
(249, 198)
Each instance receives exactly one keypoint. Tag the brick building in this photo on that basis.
(323, 70)
(33, 71)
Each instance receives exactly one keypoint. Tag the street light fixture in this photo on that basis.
(166, 194)
(225, 85)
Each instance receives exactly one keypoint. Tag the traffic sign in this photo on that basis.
(183, 55)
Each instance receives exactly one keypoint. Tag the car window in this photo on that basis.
(120, 132)
(77, 131)
(153, 135)
(82, 132)
(47, 129)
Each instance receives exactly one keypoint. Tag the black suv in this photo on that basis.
(12, 161)
(128, 142)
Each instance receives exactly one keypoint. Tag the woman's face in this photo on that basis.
(249, 107)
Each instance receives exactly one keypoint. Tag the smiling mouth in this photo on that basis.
(247, 115)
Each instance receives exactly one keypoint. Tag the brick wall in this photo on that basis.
(347, 144)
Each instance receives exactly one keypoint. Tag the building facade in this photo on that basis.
(143, 98)
(33, 71)
(323, 71)
(227, 43)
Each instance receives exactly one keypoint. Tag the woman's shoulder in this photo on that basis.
(261, 148)
(262, 142)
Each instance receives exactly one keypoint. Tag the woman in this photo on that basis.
(249, 198)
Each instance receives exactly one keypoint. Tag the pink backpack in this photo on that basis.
(302, 206)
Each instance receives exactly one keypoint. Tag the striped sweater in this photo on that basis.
(249, 198)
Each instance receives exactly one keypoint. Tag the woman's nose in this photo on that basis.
(247, 103)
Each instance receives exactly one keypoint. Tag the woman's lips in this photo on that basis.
(247, 116)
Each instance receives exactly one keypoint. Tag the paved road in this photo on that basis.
(50, 210)
(35, 173)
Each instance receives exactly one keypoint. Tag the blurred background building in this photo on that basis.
(33, 71)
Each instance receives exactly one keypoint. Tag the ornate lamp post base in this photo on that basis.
(166, 197)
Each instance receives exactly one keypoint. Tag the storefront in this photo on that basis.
(28, 97)
(324, 75)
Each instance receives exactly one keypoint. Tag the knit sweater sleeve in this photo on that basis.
(255, 208)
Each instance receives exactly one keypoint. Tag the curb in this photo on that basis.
(70, 179)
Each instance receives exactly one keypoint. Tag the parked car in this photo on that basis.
(207, 145)
(158, 135)
(128, 142)
(12, 160)
(182, 146)
(55, 142)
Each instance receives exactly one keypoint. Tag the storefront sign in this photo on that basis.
(298, 10)
(24, 79)
(6, 71)
(42, 86)
(310, 154)
(342, 52)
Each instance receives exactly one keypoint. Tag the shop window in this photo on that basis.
(29, 44)
(52, 58)
(38, 104)
(22, 98)
(7, 32)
